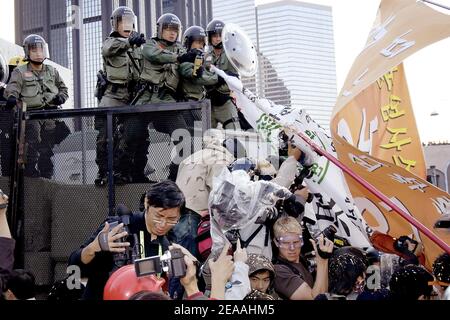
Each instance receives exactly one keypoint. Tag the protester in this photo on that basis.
(20, 286)
(411, 282)
(261, 273)
(346, 275)
(441, 271)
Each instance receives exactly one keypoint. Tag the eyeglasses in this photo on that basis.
(289, 242)
(161, 220)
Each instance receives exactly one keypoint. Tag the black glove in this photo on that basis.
(11, 102)
(200, 72)
(197, 52)
(57, 100)
(221, 81)
(136, 39)
(293, 206)
(187, 57)
(232, 74)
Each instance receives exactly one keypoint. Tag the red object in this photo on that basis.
(123, 283)
(385, 243)
(377, 193)
(204, 241)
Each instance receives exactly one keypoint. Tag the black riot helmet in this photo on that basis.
(192, 34)
(215, 26)
(168, 20)
(126, 16)
(35, 48)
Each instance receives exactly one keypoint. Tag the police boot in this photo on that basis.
(140, 179)
(120, 179)
(101, 179)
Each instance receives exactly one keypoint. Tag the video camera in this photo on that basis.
(172, 262)
(132, 252)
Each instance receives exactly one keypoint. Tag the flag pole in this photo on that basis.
(436, 4)
(375, 192)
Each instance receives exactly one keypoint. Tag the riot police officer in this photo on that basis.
(194, 76)
(5, 121)
(7, 117)
(160, 78)
(41, 87)
(222, 108)
(121, 67)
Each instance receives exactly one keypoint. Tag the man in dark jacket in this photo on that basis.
(101, 254)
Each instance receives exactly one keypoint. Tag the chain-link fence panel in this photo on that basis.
(64, 153)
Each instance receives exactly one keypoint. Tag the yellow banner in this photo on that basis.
(375, 96)
(415, 196)
(380, 121)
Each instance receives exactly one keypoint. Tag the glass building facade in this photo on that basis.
(296, 46)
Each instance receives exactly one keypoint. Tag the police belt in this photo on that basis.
(161, 89)
(115, 86)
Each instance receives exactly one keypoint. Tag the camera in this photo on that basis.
(172, 262)
(330, 232)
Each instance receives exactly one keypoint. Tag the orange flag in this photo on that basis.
(373, 112)
(380, 121)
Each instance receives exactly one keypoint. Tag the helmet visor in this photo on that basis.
(128, 22)
(172, 27)
(38, 51)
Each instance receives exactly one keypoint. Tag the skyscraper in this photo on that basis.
(56, 21)
(296, 45)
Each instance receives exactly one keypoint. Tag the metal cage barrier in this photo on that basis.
(53, 211)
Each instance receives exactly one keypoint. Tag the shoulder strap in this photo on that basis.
(245, 243)
(290, 266)
(51, 69)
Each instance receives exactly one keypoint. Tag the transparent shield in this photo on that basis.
(4, 70)
(240, 50)
(38, 51)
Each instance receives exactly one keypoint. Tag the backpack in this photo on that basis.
(204, 241)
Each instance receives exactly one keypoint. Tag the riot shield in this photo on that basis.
(240, 50)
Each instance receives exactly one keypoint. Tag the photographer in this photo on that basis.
(95, 257)
(346, 274)
(7, 244)
(292, 279)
